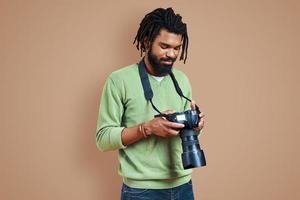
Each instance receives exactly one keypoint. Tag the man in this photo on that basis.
(149, 148)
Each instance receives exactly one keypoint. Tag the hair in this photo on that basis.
(154, 21)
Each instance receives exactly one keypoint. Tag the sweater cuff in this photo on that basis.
(116, 138)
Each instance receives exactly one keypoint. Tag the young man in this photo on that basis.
(149, 148)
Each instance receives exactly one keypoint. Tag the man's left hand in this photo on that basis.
(201, 115)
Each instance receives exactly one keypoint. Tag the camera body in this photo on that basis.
(190, 118)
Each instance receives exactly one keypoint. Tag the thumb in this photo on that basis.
(169, 112)
(193, 105)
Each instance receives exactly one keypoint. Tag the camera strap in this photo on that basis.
(148, 90)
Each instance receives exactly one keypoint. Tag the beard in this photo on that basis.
(159, 68)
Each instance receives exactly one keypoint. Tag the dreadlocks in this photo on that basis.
(157, 19)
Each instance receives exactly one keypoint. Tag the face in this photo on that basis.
(164, 51)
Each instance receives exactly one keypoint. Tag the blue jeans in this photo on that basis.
(182, 192)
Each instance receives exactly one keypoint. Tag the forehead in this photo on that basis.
(169, 38)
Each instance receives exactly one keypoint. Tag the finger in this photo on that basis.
(193, 105)
(173, 125)
(169, 132)
(169, 112)
(197, 129)
(173, 132)
(201, 120)
(201, 124)
(201, 115)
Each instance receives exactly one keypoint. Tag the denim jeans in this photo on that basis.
(182, 192)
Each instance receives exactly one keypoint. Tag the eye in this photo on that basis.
(177, 48)
(163, 46)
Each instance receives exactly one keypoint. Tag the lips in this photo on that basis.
(167, 62)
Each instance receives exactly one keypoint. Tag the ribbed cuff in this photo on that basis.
(116, 138)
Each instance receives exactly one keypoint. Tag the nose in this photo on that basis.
(171, 54)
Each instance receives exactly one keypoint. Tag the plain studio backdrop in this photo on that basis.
(243, 64)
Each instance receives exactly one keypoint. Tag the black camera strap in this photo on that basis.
(146, 84)
(179, 91)
(147, 87)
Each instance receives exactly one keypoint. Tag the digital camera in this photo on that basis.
(192, 155)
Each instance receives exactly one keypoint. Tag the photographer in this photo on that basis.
(149, 148)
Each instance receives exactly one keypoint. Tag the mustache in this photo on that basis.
(168, 59)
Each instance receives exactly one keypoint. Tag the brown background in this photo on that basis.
(243, 65)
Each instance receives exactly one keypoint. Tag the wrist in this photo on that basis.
(145, 130)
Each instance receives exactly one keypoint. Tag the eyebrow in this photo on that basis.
(162, 43)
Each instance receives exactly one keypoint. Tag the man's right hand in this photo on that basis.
(158, 126)
(161, 127)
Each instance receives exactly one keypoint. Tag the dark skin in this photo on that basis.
(166, 45)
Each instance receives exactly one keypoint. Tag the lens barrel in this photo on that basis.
(192, 155)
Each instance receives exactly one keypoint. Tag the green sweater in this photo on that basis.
(154, 162)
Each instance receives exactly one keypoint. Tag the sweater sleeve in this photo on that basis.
(109, 129)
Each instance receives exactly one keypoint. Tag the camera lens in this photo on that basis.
(192, 155)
